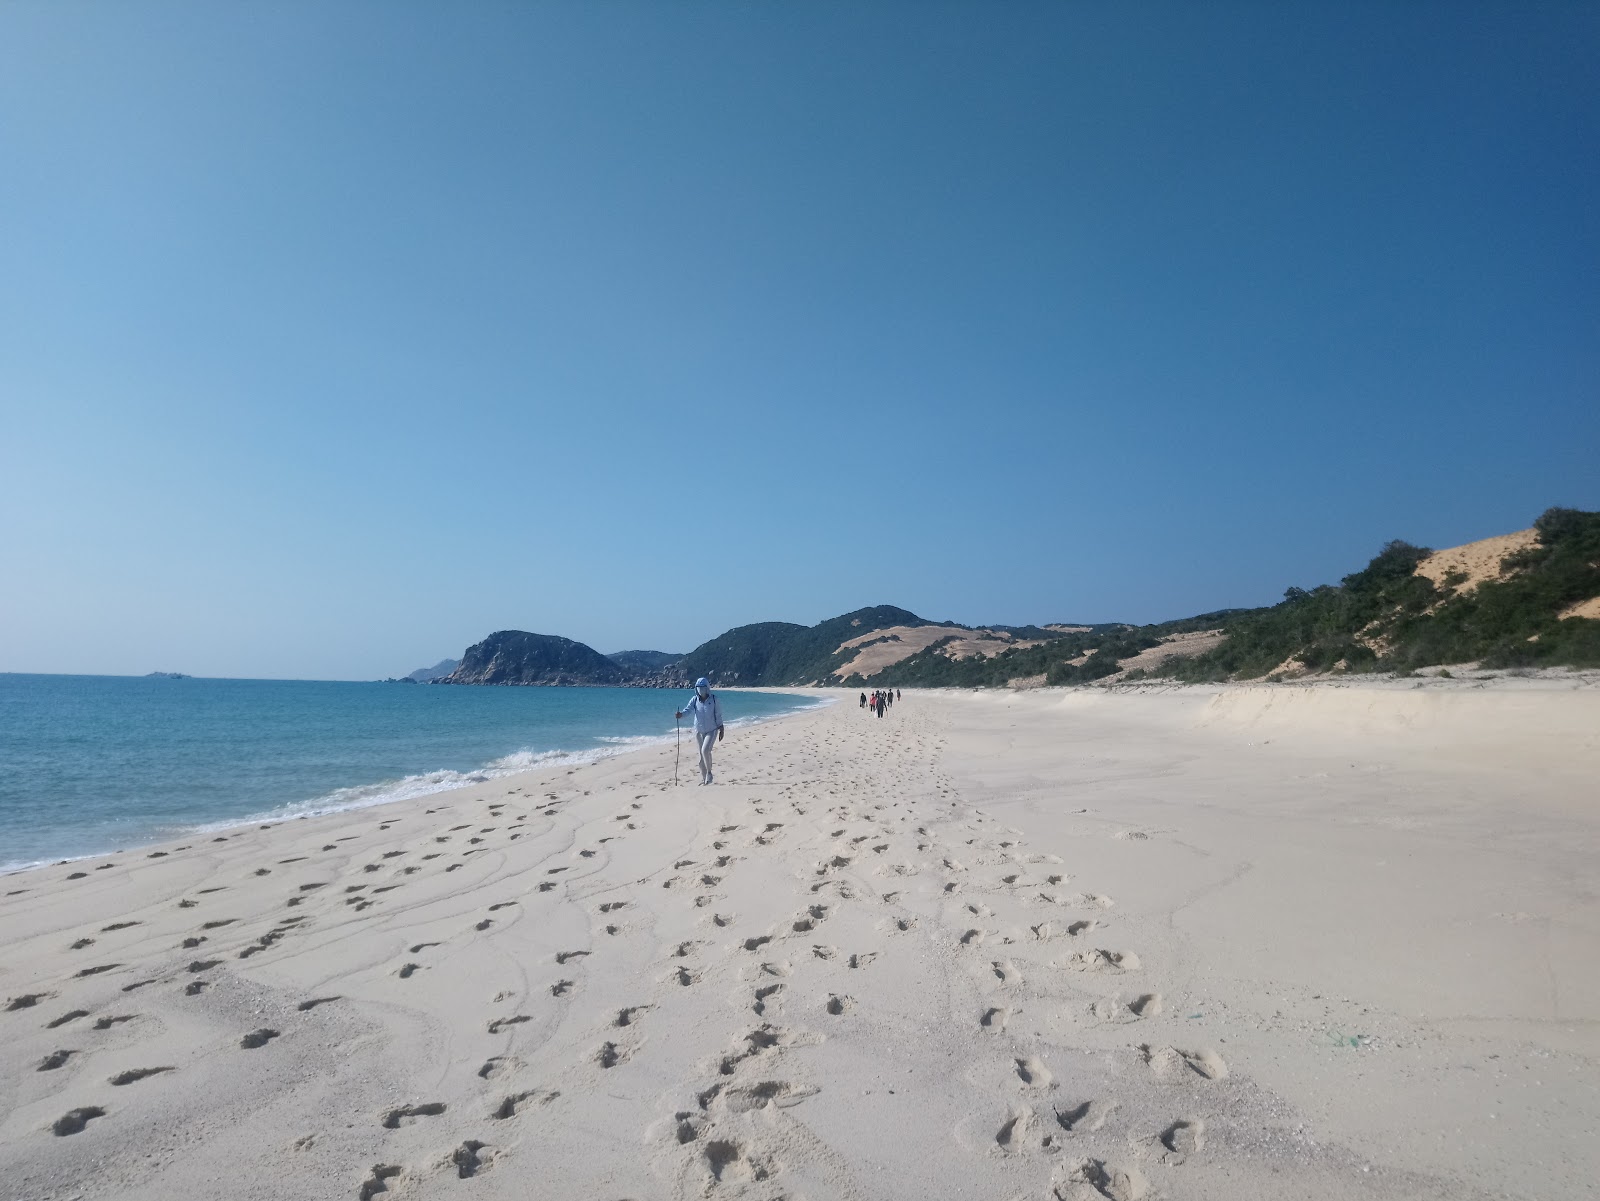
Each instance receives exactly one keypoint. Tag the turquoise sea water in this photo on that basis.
(89, 764)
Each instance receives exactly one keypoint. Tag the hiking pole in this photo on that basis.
(677, 738)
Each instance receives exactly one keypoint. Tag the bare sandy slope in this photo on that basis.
(1272, 942)
(879, 649)
(1478, 561)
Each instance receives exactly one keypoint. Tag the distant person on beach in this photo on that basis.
(896, 694)
(863, 700)
(708, 731)
(879, 705)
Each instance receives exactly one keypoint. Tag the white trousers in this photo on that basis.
(706, 741)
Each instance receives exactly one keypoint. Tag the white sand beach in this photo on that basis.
(1288, 941)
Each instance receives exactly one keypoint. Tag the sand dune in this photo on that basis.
(884, 648)
(1270, 942)
(1477, 561)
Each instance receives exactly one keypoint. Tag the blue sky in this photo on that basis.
(334, 336)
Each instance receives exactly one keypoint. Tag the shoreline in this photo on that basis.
(1554, 679)
(395, 791)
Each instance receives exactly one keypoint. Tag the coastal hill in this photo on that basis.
(865, 644)
(1522, 600)
(1526, 599)
(644, 663)
(518, 657)
(426, 675)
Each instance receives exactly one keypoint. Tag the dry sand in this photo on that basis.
(1246, 943)
(1478, 561)
(884, 648)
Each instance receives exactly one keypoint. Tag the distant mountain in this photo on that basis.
(518, 657)
(1527, 599)
(426, 675)
(780, 652)
(644, 662)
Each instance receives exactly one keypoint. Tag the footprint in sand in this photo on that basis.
(468, 1159)
(406, 1114)
(74, 1120)
(54, 1060)
(1171, 1063)
(1096, 1180)
(1006, 972)
(498, 1065)
(137, 1074)
(1146, 1006)
(70, 1016)
(1086, 1117)
(257, 1038)
(995, 1018)
(1182, 1139)
(764, 994)
(509, 1107)
(1100, 960)
(378, 1182)
(1033, 1073)
(1016, 1131)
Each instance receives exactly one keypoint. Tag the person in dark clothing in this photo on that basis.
(863, 704)
(896, 694)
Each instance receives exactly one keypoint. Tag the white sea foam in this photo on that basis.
(365, 796)
(409, 787)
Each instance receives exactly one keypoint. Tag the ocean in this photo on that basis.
(91, 764)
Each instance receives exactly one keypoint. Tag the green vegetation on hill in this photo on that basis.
(779, 653)
(1385, 617)
(518, 657)
(929, 668)
(1388, 618)
(644, 662)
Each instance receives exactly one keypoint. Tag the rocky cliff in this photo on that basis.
(518, 657)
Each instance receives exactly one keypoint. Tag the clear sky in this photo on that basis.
(334, 336)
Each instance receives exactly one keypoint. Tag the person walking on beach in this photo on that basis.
(708, 731)
(863, 704)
